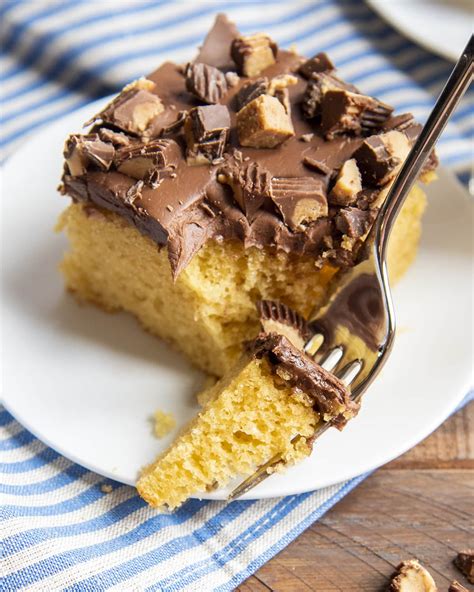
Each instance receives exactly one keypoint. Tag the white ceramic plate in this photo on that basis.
(86, 382)
(442, 26)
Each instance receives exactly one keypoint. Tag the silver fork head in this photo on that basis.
(354, 331)
(353, 334)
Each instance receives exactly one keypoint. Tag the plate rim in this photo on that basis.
(385, 11)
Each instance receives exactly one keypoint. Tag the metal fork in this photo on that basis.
(355, 330)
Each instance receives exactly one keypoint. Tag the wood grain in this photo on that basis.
(420, 505)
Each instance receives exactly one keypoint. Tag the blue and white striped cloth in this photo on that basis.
(60, 530)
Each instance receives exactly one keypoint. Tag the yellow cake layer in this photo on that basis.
(246, 421)
(210, 309)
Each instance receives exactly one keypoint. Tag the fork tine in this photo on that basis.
(332, 358)
(350, 372)
(314, 344)
(260, 475)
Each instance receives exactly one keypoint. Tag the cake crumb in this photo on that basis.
(106, 488)
(163, 423)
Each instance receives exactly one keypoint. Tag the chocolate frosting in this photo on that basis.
(331, 398)
(191, 206)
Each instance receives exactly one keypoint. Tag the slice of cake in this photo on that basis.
(268, 405)
(251, 173)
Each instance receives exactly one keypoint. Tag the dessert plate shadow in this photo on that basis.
(86, 382)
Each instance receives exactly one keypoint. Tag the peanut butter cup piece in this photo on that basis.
(464, 561)
(317, 87)
(85, 151)
(206, 82)
(207, 131)
(300, 200)
(253, 54)
(354, 222)
(276, 317)
(375, 162)
(412, 577)
(343, 111)
(318, 63)
(134, 109)
(150, 162)
(264, 123)
(250, 183)
(348, 184)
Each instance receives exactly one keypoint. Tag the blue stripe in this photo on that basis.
(39, 460)
(32, 126)
(66, 477)
(77, 502)
(5, 418)
(23, 438)
(17, 29)
(57, 563)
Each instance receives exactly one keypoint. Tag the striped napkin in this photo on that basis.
(65, 528)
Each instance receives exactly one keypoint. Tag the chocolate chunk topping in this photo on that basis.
(314, 163)
(354, 222)
(457, 587)
(343, 111)
(207, 131)
(250, 91)
(133, 110)
(206, 82)
(82, 152)
(150, 162)
(464, 561)
(331, 398)
(317, 87)
(215, 50)
(253, 53)
(374, 161)
(299, 199)
(398, 122)
(276, 317)
(318, 63)
(176, 126)
(411, 576)
(251, 185)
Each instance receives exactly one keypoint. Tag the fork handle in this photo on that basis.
(450, 96)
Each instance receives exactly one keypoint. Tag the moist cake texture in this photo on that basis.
(250, 173)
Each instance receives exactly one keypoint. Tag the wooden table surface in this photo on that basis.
(421, 505)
